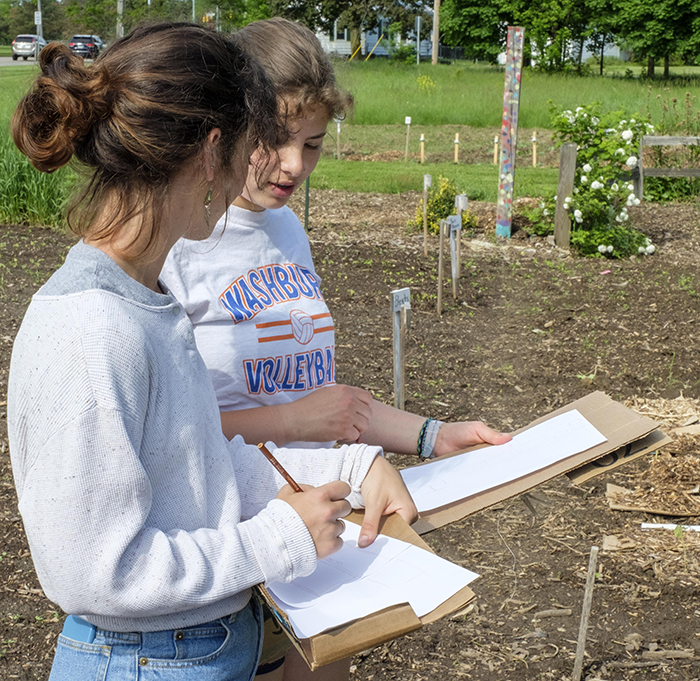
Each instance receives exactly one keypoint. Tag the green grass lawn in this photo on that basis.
(441, 100)
(5, 50)
(472, 94)
(478, 182)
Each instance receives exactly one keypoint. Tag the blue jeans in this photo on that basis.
(223, 650)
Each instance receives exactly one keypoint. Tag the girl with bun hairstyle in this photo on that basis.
(146, 525)
(260, 320)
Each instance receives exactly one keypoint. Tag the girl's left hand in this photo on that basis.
(455, 436)
(384, 492)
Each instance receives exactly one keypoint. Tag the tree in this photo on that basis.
(658, 29)
(480, 27)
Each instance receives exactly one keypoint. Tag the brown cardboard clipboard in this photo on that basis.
(629, 436)
(346, 640)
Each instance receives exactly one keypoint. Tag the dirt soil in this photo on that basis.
(532, 329)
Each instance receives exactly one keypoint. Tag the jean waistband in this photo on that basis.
(78, 629)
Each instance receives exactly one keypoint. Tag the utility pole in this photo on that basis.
(436, 30)
(120, 18)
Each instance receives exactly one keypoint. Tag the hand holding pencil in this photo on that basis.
(321, 508)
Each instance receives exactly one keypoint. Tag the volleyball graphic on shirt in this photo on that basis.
(302, 326)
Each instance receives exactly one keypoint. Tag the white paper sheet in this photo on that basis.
(356, 582)
(459, 477)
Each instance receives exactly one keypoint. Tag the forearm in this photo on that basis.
(261, 424)
(393, 429)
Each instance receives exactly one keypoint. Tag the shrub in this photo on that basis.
(607, 145)
(441, 203)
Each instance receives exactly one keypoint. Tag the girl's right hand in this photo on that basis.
(336, 412)
(321, 509)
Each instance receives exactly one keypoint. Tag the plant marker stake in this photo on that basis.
(422, 148)
(462, 205)
(427, 183)
(585, 612)
(408, 135)
(509, 130)
(306, 206)
(455, 223)
(443, 228)
(495, 151)
(456, 147)
(337, 138)
(401, 313)
(534, 149)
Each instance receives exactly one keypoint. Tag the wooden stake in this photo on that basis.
(534, 149)
(456, 147)
(422, 148)
(408, 137)
(400, 312)
(443, 228)
(427, 183)
(585, 612)
(495, 150)
(567, 171)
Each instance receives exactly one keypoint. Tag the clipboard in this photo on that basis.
(629, 436)
(349, 639)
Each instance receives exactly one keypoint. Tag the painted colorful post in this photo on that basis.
(509, 130)
(422, 148)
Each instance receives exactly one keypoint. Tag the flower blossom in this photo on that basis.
(619, 152)
(631, 161)
(596, 185)
(614, 187)
(578, 215)
(587, 168)
(650, 249)
(627, 135)
(602, 249)
(584, 179)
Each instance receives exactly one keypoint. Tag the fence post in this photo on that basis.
(639, 182)
(567, 170)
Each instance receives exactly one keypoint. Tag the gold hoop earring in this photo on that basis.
(207, 203)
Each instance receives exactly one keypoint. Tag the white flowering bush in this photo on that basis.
(607, 152)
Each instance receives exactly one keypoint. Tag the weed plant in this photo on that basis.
(679, 120)
(28, 196)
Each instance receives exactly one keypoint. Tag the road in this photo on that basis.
(7, 61)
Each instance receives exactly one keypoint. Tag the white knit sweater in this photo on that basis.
(131, 497)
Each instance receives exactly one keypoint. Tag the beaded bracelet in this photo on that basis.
(427, 438)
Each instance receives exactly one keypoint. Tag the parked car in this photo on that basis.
(87, 46)
(25, 46)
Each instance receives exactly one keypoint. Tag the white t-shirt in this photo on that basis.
(254, 298)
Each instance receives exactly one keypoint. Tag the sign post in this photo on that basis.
(422, 148)
(418, 23)
(462, 205)
(456, 147)
(427, 183)
(455, 223)
(401, 313)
